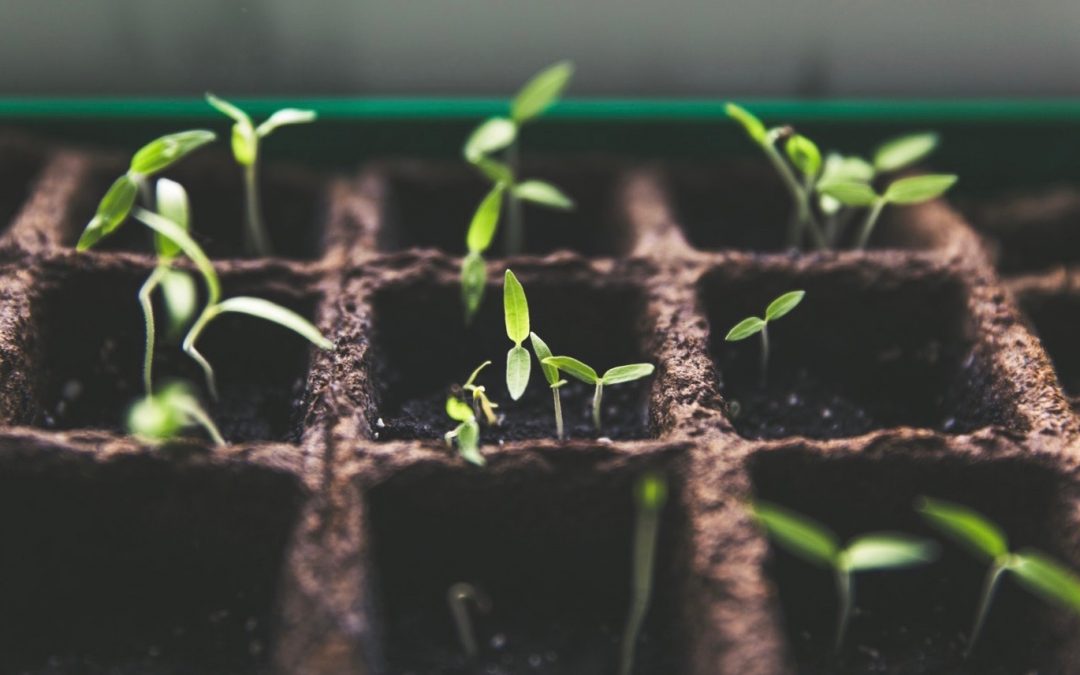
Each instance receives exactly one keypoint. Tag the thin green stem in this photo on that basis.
(645, 537)
(868, 224)
(993, 575)
(765, 354)
(515, 225)
(596, 404)
(197, 328)
(846, 597)
(258, 242)
(145, 292)
(558, 412)
(200, 416)
(804, 214)
(458, 598)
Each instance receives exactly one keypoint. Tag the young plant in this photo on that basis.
(901, 192)
(481, 403)
(551, 374)
(815, 544)
(245, 146)
(616, 375)
(516, 312)
(459, 597)
(500, 134)
(150, 160)
(650, 494)
(1036, 571)
(478, 240)
(754, 325)
(467, 433)
(164, 415)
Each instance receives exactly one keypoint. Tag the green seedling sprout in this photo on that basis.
(516, 312)
(164, 415)
(482, 405)
(150, 160)
(754, 325)
(459, 597)
(467, 433)
(500, 134)
(551, 374)
(1036, 571)
(650, 495)
(246, 138)
(478, 240)
(901, 192)
(815, 544)
(616, 375)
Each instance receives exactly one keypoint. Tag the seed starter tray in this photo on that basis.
(324, 538)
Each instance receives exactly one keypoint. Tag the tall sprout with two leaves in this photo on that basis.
(902, 192)
(816, 544)
(755, 325)
(617, 375)
(1036, 571)
(246, 140)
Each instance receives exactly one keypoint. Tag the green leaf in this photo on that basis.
(804, 154)
(784, 304)
(887, 551)
(574, 368)
(518, 367)
(849, 169)
(228, 109)
(193, 251)
(181, 298)
(541, 91)
(539, 192)
(496, 171)
(245, 144)
(850, 193)
(629, 373)
(459, 410)
(652, 491)
(472, 377)
(515, 309)
(112, 211)
(161, 153)
(902, 152)
(965, 526)
(284, 117)
(172, 204)
(485, 220)
(264, 309)
(468, 439)
(153, 418)
(473, 283)
(749, 326)
(491, 136)
(541, 350)
(800, 535)
(1048, 578)
(918, 189)
(753, 126)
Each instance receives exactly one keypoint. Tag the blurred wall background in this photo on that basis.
(622, 47)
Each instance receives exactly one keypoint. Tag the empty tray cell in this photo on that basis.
(139, 566)
(867, 349)
(1055, 316)
(1030, 230)
(21, 162)
(430, 205)
(90, 339)
(422, 349)
(917, 620)
(550, 547)
(292, 202)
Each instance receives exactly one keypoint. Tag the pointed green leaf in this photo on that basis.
(193, 251)
(541, 350)
(468, 439)
(284, 117)
(749, 326)
(459, 410)
(900, 153)
(245, 144)
(473, 283)
(541, 91)
(753, 126)
(849, 169)
(800, 535)
(112, 211)
(518, 367)
(887, 551)
(966, 526)
(228, 109)
(918, 189)
(574, 368)
(172, 204)
(628, 373)
(539, 192)
(485, 220)
(181, 298)
(849, 193)
(804, 154)
(161, 153)
(496, 171)
(784, 304)
(283, 316)
(515, 309)
(472, 377)
(1047, 577)
(491, 136)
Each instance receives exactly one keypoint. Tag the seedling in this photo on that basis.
(815, 544)
(650, 494)
(1036, 571)
(516, 311)
(904, 191)
(459, 597)
(616, 375)
(754, 325)
(150, 160)
(245, 146)
(164, 415)
(478, 240)
(551, 374)
(500, 134)
(467, 433)
(481, 403)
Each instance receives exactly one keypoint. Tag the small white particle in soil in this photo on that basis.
(498, 641)
(793, 399)
(379, 423)
(376, 435)
(826, 413)
(949, 424)
(604, 439)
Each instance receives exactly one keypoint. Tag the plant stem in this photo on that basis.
(189, 347)
(803, 217)
(457, 597)
(146, 194)
(257, 242)
(558, 412)
(202, 419)
(645, 536)
(596, 404)
(764, 355)
(868, 224)
(993, 575)
(148, 316)
(845, 596)
(515, 225)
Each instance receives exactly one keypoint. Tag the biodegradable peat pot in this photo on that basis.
(324, 539)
